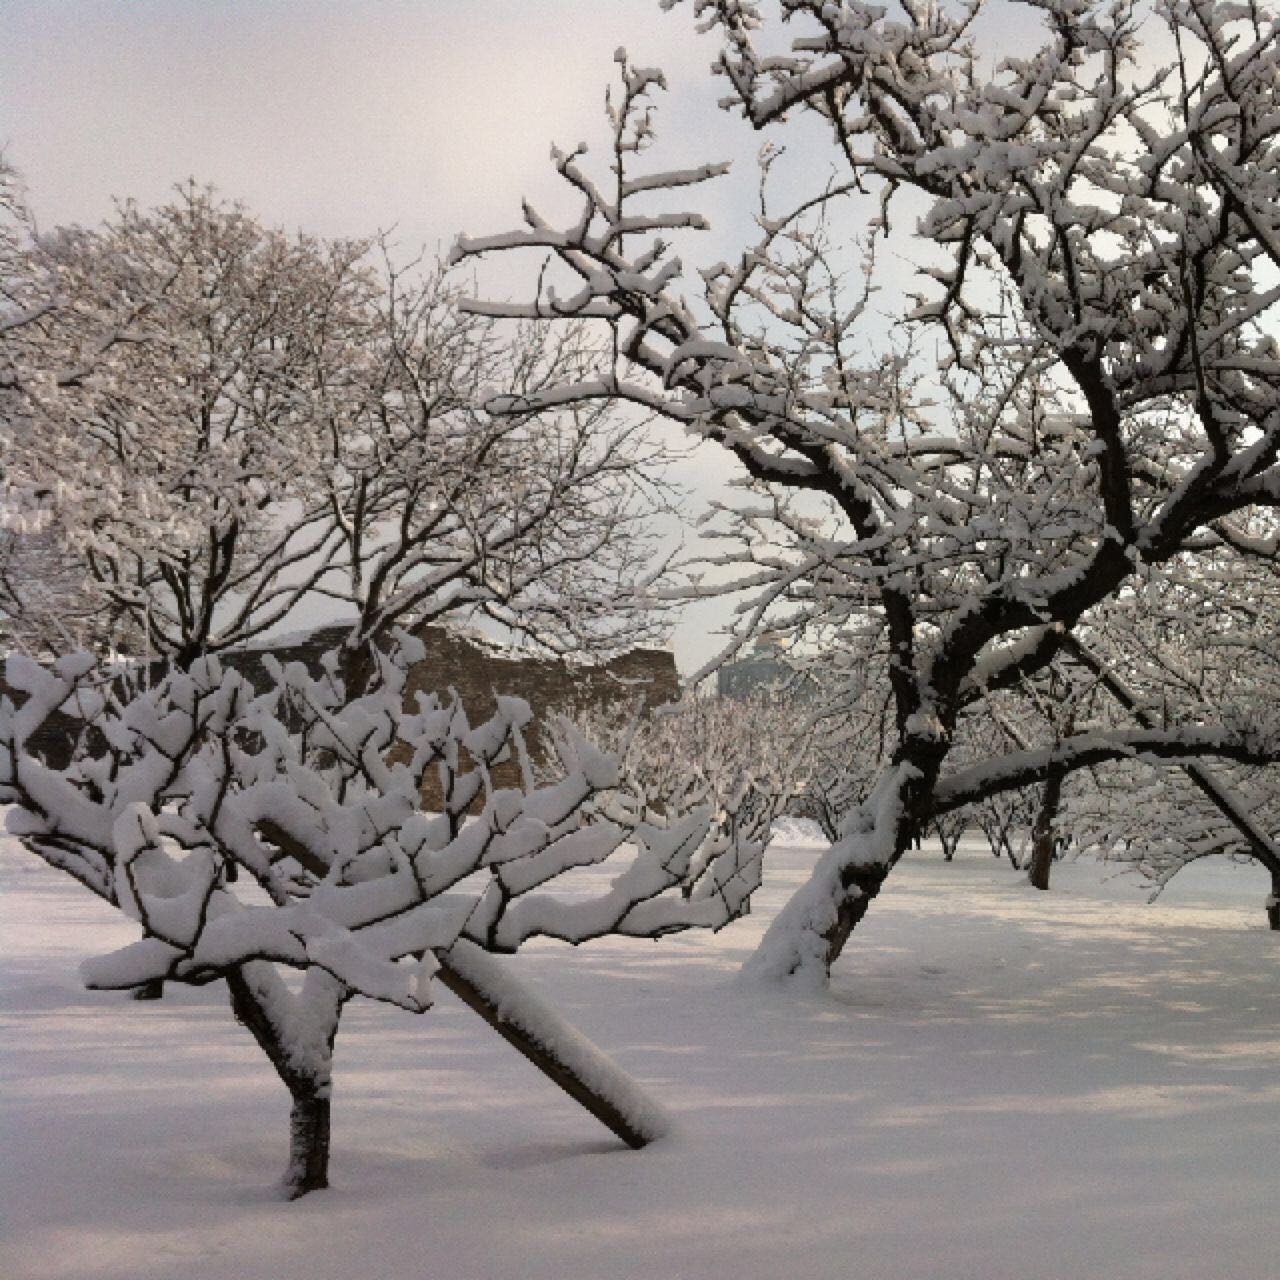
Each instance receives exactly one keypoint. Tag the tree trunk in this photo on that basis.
(1043, 838)
(809, 933)
(1007, 839)
(308, 1168)
(301, 1050)
(530, 1026)
(861, 885)
(356, 667)
(561, 1053)
(1273, 902)
(949, 838)
(297, 1034)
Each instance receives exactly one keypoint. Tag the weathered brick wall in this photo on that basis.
(479, 673)
(548, 685)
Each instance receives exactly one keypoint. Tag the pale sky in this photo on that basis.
(339, 116)
(343, 117)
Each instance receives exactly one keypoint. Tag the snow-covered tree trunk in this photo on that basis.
(526, 1022)
(304, 1063)
(564, 1055)
(809, 933)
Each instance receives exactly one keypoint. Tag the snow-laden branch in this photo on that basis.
(1020, 769)
(199, 779)
(1080, 389)
(289, 418)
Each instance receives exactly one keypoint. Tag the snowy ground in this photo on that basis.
(1002, 1083)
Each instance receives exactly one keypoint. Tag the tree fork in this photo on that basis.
(309, 1116)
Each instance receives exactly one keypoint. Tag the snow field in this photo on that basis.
(1001, 1083)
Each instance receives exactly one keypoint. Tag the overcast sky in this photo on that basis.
(337, 115)
(340, 115)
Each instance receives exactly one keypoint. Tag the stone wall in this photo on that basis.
(479, 672)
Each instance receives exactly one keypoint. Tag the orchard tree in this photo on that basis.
(249, 833)
(168, 421)
(540, 521)
(847, 731)
(1050, 707)
(42, 591)
(746, 758)
(1202, 644)
(221, 421)
(21, 305)
(1159, 819)
(1096, 234)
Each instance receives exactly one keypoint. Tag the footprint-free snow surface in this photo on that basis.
(1001, 1083)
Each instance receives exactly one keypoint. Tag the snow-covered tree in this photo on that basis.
(746, 758)
(252, 833)
(1097, 235)
(168, 420)
(1160, 819)
(1204, 643)
(1049, 707)
(20, 270)
(538, 520)
(42, 590)
(848, 732)
(222, 420)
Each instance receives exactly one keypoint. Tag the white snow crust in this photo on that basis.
(1064, 1086)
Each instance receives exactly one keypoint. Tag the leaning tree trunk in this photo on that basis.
(809, 933)
(562, 1053)
(528, 1024)
(1043, 832)
(297, 1034)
